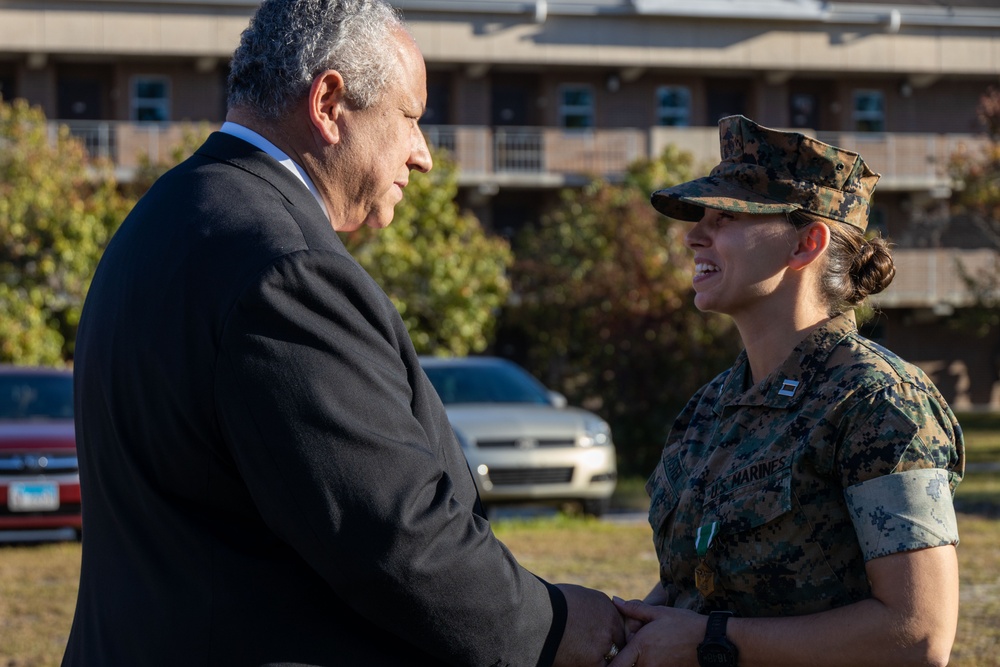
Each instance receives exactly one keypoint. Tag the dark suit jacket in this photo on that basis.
(268, 476)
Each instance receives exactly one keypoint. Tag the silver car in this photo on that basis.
(522, 442)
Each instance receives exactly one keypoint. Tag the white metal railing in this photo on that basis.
(482, 150)
(928, 277)
(904, 159)
(127, 143)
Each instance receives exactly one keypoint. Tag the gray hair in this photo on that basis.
(289, 42)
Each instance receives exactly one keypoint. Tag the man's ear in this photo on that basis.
(327, 103)
(814, 239)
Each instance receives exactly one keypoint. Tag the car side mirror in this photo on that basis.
(557, 400)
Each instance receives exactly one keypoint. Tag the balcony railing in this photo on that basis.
(546, 156)
(125, 143)
(524, 154)
(937, 277)
(549, 157)
(907, 161)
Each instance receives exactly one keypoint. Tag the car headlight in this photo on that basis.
(596, 433)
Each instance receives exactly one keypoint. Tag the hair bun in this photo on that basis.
(872, 269)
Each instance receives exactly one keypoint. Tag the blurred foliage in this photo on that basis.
(983, 317)
(445, 275)
(193, 135)
(58, 209)
(976, 175)
(976, 172)
(603, 310)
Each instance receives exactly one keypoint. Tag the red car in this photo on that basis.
(39, 474)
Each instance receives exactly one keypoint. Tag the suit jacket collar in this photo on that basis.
(243, 155)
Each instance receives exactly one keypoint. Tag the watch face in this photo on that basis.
(714, 654)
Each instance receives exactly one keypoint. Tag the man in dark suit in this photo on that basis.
(268, 476)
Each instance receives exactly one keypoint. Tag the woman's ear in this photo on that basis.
(327, 103)
(814, 239)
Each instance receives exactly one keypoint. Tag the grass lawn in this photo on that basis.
(38, 586)
(38, 582)
(978, 503)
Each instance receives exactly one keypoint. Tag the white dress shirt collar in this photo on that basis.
(251, 137)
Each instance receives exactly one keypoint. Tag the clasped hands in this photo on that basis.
(646, 635)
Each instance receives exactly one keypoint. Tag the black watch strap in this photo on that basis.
(717, 624)
(716, 650)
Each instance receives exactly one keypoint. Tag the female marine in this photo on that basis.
(802, 509)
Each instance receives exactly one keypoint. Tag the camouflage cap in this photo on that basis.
(770, 171)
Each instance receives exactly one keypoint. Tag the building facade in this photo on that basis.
(535, 96)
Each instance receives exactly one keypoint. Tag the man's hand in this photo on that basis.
(666, 637)
(592, 626)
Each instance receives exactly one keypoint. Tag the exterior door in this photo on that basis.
(725, 98)
(516, 145)
(81, 95)
(513, 101)
(803, 109)
(6, 85)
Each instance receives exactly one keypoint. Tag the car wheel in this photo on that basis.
(596, 506)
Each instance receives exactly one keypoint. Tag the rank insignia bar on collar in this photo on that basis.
(788, 387)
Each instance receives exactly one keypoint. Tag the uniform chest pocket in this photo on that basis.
(766, 555)
(749, 498)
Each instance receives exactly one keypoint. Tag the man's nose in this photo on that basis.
(420, 155)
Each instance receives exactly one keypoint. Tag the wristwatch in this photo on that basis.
(716, 650)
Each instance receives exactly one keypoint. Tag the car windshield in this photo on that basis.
(482, 383)
(36, 397)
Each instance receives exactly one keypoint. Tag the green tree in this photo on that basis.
(976, 175)
(976, 172)
(193, 135)
(604, 311)
(445, 275)
(58, 209)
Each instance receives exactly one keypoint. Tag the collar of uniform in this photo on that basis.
(789, 382)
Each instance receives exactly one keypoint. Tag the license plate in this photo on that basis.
(33, 496)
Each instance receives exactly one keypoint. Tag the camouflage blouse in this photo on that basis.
(844, 454)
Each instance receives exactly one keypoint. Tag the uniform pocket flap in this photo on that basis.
(750, 497)
(664, 488)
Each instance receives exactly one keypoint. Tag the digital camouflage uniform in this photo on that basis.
(844, 454)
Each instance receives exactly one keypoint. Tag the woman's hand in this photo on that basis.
(662, 636)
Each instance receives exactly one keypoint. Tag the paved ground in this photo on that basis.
(20, 536)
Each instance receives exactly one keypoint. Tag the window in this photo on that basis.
(673, 106)
(869, 111)
(150, 98)
(576, 106)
